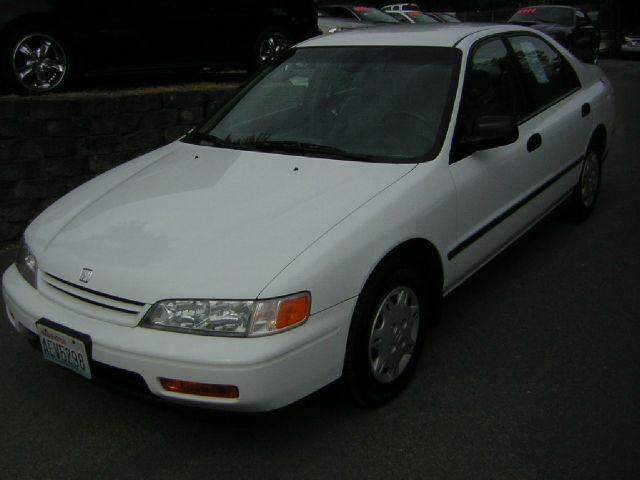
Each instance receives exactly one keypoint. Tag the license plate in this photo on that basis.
(65, 347)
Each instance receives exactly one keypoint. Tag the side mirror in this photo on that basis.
(491, 131)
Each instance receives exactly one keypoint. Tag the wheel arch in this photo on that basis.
(421, 253)
(38, 18)
(598, 141)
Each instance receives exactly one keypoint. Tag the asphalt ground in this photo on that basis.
(533, 373)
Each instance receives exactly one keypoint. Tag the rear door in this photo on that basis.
(502, 191)
(559, 117)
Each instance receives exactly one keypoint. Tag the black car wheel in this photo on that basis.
(34, 60)
(270, 44)
(386, 334)
(583, 199)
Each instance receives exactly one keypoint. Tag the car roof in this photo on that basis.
(434, 34)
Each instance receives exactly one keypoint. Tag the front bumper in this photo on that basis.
(270, 372)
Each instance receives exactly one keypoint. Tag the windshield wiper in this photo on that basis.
(307, 149)
(200, 138)
(277, 146)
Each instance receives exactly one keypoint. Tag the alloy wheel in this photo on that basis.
(39, 62)
(271, 46)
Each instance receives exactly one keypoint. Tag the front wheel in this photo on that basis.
(386, 335)
(34, 60)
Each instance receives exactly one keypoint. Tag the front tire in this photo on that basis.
(386, 334)
(34, 59)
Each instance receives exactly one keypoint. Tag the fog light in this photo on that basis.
(201, 389)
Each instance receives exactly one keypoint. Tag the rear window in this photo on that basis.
(420, 17)
(555, 15)
(373, 15)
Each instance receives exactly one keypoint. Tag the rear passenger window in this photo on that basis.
(547, 76)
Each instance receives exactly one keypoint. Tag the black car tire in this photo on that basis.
(40, 53)
(582, 201)
(364, 379)
(270, 43)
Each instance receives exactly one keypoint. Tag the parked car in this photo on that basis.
(444, 17)
(630, 44)
(607, 43)
(411, 13)
(44, 43)
(411, 16)
(570, 26)
(308, 230)
(357, 13)
(328, 24)
(400, 7)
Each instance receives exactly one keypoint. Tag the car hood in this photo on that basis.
(201, 222)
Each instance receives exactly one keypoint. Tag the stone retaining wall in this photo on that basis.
(51, 144)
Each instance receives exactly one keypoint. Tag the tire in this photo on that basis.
(34, 59)
(383, 351)
(582, 201)
(270, 44)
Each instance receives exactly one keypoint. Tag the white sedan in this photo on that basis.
(308, 231)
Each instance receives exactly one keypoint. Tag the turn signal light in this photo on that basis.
(201, 389)
(293, 310)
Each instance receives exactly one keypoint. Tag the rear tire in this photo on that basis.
(386, 334)
(583, 198)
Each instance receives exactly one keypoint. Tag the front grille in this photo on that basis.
(90, 302)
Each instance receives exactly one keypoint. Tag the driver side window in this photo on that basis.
(489, 87)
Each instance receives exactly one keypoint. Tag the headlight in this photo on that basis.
(27, 263)
(336, 29)
(233, 318)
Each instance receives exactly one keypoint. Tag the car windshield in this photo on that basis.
(449, 18)
(420, 17)
(373, 15)
(382, 104)
(556, 15)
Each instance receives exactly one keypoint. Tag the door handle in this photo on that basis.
(534, 142)
(586, 109)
